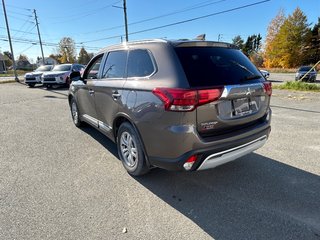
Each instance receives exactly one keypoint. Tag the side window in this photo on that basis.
(115, 65)
(140, 63)
(92, 71)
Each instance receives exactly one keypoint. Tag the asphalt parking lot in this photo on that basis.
(61, 182)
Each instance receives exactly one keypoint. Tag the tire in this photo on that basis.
(67, 84)
(75, 113)
(49, 86)
(31, 85)
(130, 150)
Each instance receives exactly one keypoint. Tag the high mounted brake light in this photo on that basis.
(183, 100)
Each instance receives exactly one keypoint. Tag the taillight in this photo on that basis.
(267, 88)
(176, 99)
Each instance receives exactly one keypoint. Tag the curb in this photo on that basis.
(7, 81)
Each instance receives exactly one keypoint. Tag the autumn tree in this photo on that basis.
(23, 57)
(7, 58)
(56, 57)
(84, 57)
(67, 50)
(291, 40)
(271, 58)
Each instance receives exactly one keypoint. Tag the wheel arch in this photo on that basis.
(121, 118)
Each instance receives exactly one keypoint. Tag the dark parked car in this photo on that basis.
(177, 105)
(60, 74)
(32, 78)
(306, 73)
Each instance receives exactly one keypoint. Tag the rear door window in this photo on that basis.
(140, 63)
(115, 65)
(215, 66)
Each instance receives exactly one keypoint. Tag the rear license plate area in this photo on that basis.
(241, 106)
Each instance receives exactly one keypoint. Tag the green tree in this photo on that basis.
(67, 50)
(252, 45)
(238, 41)
(313, 48)
(84, 57)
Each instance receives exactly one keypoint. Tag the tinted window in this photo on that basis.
(115, 65)
(139, 63)
(92, 72)
(213, 66)
(305, 69)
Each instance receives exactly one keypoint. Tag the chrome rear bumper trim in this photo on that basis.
(220, 158)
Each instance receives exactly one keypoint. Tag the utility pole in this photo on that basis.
(10, 43)
(125, 19)
(36, 18)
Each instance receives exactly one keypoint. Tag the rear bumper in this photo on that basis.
(215, 155)
(223, 157)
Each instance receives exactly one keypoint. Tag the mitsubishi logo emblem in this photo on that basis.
(248, 92)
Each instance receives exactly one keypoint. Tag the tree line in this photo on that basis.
(290, 42)
(65, 53)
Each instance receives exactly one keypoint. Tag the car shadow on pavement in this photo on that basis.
(102, 139)
(254, 197)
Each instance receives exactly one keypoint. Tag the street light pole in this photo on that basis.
(10, 43)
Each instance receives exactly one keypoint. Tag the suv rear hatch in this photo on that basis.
(245, 94)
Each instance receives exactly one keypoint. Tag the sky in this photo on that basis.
(94, 24)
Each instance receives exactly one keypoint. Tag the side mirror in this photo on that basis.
(75, 76)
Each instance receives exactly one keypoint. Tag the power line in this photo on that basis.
(17, 13)
(15, 30)
(196, 6)
(88, 13)
(17, 18)
(181, 22)
(12, 6)
(26, 49)
(48, 44)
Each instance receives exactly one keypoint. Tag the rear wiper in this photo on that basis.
(252, 77)
(242, 67)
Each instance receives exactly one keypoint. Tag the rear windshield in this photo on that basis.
(214, 66)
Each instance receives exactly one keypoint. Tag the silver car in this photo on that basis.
(177, 105)
(60, 74)
(33, 78)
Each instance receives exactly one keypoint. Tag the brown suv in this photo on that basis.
(177, 105)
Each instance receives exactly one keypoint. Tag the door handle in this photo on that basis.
(91, 91)
(115, 94)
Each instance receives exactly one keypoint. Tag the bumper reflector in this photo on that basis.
(189, 163)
